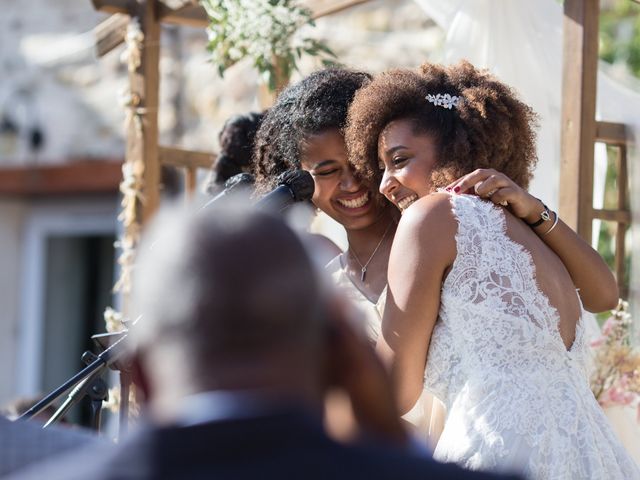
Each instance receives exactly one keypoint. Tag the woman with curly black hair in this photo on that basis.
(482, 306)
(304, 130)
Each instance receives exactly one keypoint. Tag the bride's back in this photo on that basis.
(508, 307)
(551, 275)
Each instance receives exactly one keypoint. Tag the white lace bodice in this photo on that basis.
(516, 396)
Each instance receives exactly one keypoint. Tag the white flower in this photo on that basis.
(258, 29)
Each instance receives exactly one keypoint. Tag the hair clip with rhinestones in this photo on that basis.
(443, 100)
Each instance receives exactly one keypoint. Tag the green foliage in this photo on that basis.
(620, 34)
(619, 44)
(265, 31)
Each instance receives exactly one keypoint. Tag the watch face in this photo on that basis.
(545, 215)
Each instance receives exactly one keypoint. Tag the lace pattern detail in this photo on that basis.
(515, 395)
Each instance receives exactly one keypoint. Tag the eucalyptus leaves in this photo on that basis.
(266, 31)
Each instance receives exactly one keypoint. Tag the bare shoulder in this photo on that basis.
(430, 225)
(434, 210)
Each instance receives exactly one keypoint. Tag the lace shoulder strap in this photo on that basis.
(478, 221)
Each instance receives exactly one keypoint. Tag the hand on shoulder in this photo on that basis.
(500, 189)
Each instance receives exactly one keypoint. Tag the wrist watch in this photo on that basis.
(545, 216)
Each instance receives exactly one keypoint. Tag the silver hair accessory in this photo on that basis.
(443, 100)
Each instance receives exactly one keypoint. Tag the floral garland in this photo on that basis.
(131, 190)
(264, 31)
(132, 180)
(114, 401)
(616, 378)
(113, 320)
(133, 168)
(132, 54)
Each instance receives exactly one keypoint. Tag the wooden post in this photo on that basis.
(144, 82)
(578, 113)
(110, 33)
(190, 184)
(621, 230)
(142, 144)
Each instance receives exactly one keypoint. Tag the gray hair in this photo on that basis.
(224, 283)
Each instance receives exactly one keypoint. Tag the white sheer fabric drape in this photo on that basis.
(521, 43)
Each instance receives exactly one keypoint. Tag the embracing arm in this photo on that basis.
(423, 248)
(590, 274)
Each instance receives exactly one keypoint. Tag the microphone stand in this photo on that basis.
(92, 385)
(84, 382)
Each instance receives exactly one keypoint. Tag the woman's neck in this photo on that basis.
(364, 240)
(367, 257)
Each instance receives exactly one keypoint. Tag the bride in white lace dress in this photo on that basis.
(479, 307)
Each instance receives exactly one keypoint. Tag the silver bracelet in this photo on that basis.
(555, 222)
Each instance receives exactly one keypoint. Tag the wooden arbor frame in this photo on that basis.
(580, 131)
(579, 128)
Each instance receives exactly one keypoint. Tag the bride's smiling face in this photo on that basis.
(407, 159)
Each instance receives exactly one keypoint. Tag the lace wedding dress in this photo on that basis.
(517, 399)
(426, 417)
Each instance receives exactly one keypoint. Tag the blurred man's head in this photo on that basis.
(229, 300)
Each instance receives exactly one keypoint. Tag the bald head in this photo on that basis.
(225, 287)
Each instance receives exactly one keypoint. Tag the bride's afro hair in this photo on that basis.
(315, 104)
(489, 128)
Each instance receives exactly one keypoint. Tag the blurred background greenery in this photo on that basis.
(620, 34)
(619, 46)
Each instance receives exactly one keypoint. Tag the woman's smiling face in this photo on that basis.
(338, 192)
(407, 158)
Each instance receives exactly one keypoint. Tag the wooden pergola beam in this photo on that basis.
(110, 33)
(188, 160)
(192, 15)
(179, 157)
(189, 15)
(611, 133)
(336, 7)
(580, 67)
(618, 216)
(195, 16)
(111, 6)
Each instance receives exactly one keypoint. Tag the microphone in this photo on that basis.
(293, 186)
(233, 185)
(239, 179)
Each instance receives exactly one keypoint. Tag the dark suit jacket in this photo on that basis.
(24, 443)
(285, 446)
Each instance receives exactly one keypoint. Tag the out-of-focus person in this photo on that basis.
(236, 139)
(238, 342)
(23, 443)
